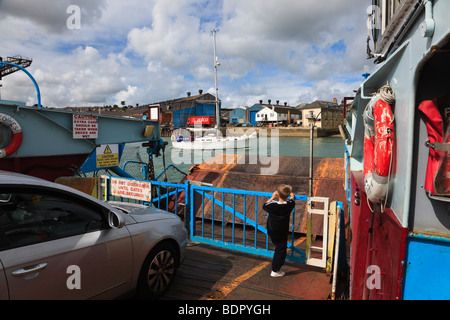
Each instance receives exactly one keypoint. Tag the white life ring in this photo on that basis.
(17, 138)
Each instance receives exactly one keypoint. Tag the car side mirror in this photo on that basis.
(115, 220)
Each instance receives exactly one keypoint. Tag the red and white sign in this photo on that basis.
(209, 120)
(139, 190)
(85, 127)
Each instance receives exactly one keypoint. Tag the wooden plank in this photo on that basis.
(332, 217)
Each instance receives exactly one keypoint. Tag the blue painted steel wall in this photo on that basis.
(427, 276)
(180, 116)
(237, 115)
(252, 113)
(253, 117)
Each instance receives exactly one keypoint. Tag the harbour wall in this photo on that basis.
(282, 131)
(270, 131)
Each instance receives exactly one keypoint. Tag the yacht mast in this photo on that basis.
(216, 65)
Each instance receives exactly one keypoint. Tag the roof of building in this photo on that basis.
(280, 109)
(319, 104)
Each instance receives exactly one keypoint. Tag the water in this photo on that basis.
(330, 147)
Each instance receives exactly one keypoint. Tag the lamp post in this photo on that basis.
(311, 151)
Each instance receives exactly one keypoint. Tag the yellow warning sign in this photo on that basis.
(107, 156)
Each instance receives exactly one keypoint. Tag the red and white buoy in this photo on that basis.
(17, 135)
(378, 144)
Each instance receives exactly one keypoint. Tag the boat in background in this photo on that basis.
(211, 139)
(400, 238)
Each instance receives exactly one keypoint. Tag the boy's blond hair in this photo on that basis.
(284, 191)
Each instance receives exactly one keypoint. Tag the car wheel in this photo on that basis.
(158, 272)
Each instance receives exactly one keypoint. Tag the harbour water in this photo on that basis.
(264, 151)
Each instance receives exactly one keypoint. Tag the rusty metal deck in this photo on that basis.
(210, 273)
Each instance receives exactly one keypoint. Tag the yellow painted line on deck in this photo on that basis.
(299, 240)
(224, 290)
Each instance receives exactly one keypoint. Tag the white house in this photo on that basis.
(273, 114)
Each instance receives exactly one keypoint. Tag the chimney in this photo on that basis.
(200, 91)
(269, 101)
(335, 100)
(260, 101)
(278, 102)
(285, 104)
(188, 94)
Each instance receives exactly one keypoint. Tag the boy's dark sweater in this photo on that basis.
(279, 216)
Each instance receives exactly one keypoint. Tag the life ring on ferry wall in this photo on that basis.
(378, 144)
(17, 137)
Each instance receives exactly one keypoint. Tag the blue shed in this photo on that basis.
(191, 106)
(238, 115)
(252, 113)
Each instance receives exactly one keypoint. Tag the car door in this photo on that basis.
(56, 246)
(3, 285)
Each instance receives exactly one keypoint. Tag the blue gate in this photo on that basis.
(218, 218)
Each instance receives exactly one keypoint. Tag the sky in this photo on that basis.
(103, 52)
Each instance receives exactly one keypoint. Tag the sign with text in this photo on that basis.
(85, 127)
(107, 155)
(139, 190)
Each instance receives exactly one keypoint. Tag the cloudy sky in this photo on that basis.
(141, 52)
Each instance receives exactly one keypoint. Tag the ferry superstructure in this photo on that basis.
(400, 242)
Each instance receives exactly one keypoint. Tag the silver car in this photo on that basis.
(59, 243)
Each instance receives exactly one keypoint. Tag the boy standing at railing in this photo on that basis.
(278, 224)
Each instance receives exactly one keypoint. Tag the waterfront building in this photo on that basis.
(238, 115)
(276, 114)
(325, 114)
(177, 111)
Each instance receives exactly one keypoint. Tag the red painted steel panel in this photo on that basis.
(379, 240)
(48, 168)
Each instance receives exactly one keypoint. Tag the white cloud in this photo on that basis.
(144, 52)
(124, 95)
(49, 15)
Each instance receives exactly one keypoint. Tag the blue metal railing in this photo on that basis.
(242, 218)
(164, 194)
(230, 218)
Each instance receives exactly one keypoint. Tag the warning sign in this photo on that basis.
(85, 127)
(107, 155)
(139, 190)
